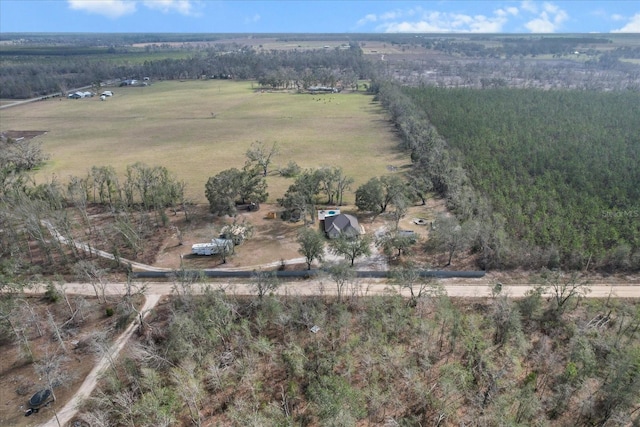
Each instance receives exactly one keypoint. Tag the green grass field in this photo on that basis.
(199, 128)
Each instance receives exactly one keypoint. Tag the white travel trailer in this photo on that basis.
(215, 247)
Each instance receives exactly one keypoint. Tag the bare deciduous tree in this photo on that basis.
(89, 271)
(351, 248)
(264, 282)
(184, 282)
(259, 154)
(102, 347)
(410, 278)
(450, 236)
(565, 288)
(190, 388)
(311, 245)
(50, 368)
(342, 274)
(56, 331)
(7, 316)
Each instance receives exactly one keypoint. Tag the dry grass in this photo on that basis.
(199, 128)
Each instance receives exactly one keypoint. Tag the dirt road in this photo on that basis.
(365, 287)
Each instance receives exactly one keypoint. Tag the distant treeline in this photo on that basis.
(44, 63)
(59, 72)
(122, 39)
(551, 177)
(48, 51)
(107, 39)
(515, 46)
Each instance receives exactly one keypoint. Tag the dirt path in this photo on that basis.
(69, 411)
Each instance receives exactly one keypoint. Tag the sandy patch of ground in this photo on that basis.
(272, 240)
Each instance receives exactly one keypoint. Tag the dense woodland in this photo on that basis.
(219, 360)
(541, 178)
(354, 359)
(561, 167)
(544, 62)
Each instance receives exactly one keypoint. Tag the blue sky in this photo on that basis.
(236, 16)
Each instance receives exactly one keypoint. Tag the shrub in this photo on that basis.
(291, 170)
(51, 294)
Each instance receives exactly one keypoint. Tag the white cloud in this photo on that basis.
(183, 7)
(108, 8)
(252, 19)
(507, 11)
(529, 6)
(540, 25)
(368, 18)
(396, 14)
(549, 19)
(117, 8)
(632, 26)
(535, 16)
(419, 20)
(551, 8)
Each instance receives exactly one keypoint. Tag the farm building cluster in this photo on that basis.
(333, 223)
(107, 93)
(80, 95)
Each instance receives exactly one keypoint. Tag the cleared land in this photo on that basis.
(199, 128)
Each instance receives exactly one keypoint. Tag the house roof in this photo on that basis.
(341, 223)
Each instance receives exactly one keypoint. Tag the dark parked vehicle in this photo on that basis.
(39, 400)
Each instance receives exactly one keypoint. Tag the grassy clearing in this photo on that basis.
(199, 128)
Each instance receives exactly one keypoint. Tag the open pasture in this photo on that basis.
(198, 128)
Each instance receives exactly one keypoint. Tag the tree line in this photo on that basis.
(35, 75)
(541, 178)
(496, 47)
(41, 222)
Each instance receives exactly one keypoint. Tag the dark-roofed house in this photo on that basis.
(341, 224)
